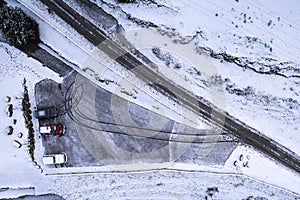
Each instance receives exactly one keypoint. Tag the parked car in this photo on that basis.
(46, 113)
(53, 129)
(52, 159)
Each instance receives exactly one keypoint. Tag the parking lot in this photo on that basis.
(99, 132)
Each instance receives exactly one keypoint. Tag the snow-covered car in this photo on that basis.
(52, 159)
(46, 113)
(53, 129)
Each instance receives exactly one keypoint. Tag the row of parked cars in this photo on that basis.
(51, 129)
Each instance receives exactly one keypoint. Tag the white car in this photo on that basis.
(55, 159)
(53, 129)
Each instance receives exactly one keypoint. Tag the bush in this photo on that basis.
(17, 28)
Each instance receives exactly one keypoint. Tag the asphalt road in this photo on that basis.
(245, 133)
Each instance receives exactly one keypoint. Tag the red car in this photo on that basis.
(52, 129)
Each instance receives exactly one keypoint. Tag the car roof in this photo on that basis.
(60, 158)
(55, 158)
(45, 129)
(42, 112)
(48, 160)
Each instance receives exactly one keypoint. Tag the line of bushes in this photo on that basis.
(28, 120)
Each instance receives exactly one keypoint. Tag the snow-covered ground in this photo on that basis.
(21, 176)
(268, 102)
(163, 185)
(252, 163)
(17, 169)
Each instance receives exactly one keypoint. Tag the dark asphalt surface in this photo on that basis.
(48, 94)
(49, 61)
(239, 129)
(97, 146)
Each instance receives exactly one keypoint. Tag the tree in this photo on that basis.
(18, 28)
(2, 3)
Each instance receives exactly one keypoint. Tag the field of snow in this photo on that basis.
(263, 94)
(17, 169)
(164, 185)
(252, 163)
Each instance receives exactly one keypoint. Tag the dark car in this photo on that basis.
(52, 129)
(45, 113)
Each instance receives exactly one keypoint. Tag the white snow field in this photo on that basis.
(264, 32)
(17, 169)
